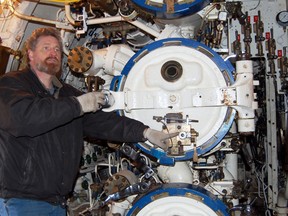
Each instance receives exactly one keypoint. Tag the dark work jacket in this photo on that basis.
(41, 138)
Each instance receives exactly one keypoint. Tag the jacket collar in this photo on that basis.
(57, 85)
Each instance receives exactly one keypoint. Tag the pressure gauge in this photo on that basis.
(282, 18)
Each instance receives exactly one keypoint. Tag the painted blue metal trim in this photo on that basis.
(180, 190)
(218, 60)
(224, 66)
(180, 10)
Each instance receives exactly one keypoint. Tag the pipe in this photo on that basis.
(145, 28)
(286, 188)
(282, 203)
(32, 18)
(104, 20)
(68, 15)
(232, 166)
(72, 21)
(136, 23)
(181, 172)
(64, 36)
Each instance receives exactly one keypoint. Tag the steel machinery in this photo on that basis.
(213, 71)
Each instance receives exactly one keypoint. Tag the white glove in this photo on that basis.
(158, 138)
(92, 101)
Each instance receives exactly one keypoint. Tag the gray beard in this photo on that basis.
(48, 68)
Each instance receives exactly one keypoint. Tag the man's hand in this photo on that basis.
(92, 101)
(159, 138)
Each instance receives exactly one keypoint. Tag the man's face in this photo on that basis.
(47, 55)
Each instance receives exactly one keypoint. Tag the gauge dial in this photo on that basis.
(282, 18)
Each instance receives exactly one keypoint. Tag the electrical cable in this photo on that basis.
(255, 6)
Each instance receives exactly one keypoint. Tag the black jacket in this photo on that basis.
(41, 138)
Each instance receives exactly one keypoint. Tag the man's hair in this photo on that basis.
(32, 41)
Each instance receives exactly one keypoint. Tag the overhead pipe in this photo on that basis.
(136, 23)
(32, 18)
(73, 22)
(69, 17)
(112, 19)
